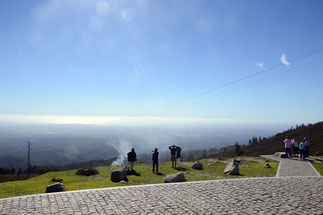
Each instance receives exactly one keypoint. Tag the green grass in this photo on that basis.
(212, 171)
(318, 167)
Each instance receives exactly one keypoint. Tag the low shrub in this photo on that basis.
(87, 171)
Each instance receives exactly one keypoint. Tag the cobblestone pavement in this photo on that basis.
(293, 167)
(276, 195)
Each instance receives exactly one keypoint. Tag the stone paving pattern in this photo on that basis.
(293, 167)
(277, 195)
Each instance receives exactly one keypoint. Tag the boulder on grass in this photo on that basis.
(57, 187)
(232, 168)
(177, 177)
(87, 171)
(198, 166)
(240, 160)
(119, 175)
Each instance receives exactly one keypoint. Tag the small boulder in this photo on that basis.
(198, 166)
(119, 175)
(267, 166)
(240, 160)
(232, 168)
(57, 187)
(177, 177)
(280, 154)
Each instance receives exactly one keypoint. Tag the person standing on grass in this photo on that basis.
(307, 147)
(295, 147)
(173, 155)
(178, 156)
(301, 150)
(132, 157)
(155, 160)
(288, 145)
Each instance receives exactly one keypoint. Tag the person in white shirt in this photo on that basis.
(295, 148)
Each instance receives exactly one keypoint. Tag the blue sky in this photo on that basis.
(125, 58)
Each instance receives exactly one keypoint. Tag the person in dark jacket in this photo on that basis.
(132, 157)
(172, 154)
(155, 160)
(178, 156)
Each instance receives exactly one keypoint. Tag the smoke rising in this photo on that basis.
(123, 147)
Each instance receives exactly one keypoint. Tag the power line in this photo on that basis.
(249, 84)
(295, 59)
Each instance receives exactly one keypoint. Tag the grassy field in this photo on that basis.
(213, 169)
(318, 167)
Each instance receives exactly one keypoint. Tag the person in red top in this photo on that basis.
(288, 145)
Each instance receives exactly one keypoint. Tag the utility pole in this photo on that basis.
(28, 160)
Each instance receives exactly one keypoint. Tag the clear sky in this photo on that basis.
(125, 58)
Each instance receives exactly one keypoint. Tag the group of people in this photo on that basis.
(293, 148)
(176, 156)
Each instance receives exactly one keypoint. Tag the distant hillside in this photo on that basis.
(314, 133)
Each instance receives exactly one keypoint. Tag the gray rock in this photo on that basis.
(198, 166)
(178, 177)
(280, 154)
(232, 168)
(56, 187)
(119, 175)
(240, 160)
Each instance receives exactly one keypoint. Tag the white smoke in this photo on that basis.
(123, 147)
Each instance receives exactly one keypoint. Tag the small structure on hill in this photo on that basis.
(177, 177)
(232, 168)
(87, 171)
(57, 187)
(198, 166)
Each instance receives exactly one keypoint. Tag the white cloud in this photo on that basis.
(96, 23)
(260, 65)
(126, 15)
(102, 8)
(283, 59)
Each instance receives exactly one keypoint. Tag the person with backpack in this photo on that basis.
(173, 155)
(155, 159)
(132, 157)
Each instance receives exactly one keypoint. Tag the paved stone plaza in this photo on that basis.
(276, 195)
(293, 167)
